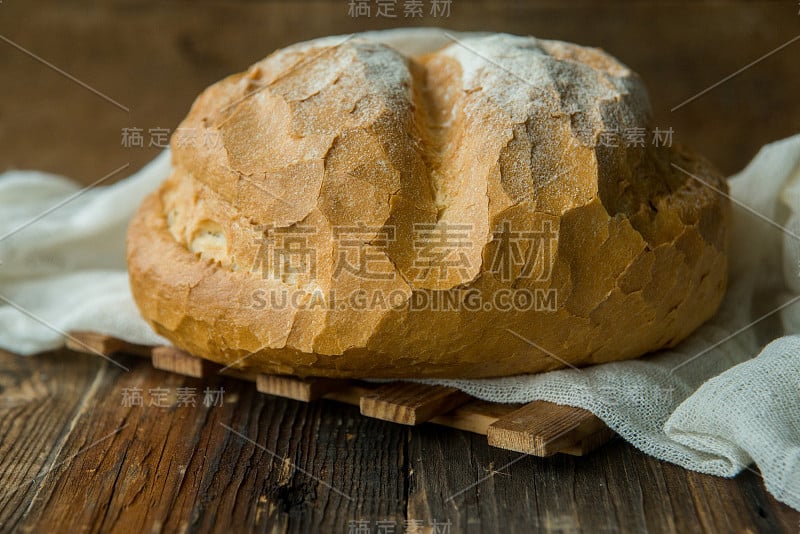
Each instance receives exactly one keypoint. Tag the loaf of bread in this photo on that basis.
(381, 206)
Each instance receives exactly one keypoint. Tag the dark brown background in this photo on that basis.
(179, 469)
(154, 57)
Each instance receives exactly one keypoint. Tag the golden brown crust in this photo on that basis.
(316, 142)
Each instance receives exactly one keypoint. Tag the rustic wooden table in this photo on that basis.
(74, 456)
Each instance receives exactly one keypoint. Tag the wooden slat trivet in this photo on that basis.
(92, 342)
(543, 428)
(409, 403)
(177, 361)
(302, 389)
(538, 428)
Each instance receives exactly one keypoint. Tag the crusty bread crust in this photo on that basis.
(319, 140)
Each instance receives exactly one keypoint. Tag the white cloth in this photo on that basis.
(66, 271)
(715, 413)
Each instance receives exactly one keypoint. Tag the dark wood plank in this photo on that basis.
(40, 399)
(614, 489)
(176, 468)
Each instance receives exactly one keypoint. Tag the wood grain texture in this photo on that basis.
(41, 400)
(614, 489)
(100, 466)
(183, 363)
(409, 403)
(544, 428)
(110, 468)
(301, 389)
(474, 416)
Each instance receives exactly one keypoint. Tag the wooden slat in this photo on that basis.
(239, 374)
(183, 363)
(410, 404)
(542, 428)
(591, 438)
(93, 342)
(301, 389)
(351, 394)
(474, 416)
